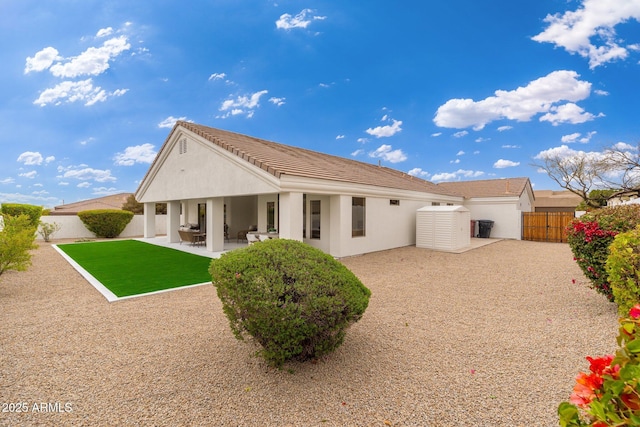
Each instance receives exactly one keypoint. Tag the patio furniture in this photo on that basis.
(226, 232)
(267, 236)
(252, 238)
(193, 237)
(242, 234)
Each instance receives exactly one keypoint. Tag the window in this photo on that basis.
(394, 202)
(358, 216)
(271, 215)
(304, 216)
(435, 203)
(315, 218)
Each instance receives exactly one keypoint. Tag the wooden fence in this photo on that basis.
(546, 226)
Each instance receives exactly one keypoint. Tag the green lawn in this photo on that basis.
(131, 267)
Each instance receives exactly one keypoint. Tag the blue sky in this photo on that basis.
(455, 90)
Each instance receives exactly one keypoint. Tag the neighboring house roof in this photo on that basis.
(279, 159)
(507, 187)
(114, 201)
(556, 199)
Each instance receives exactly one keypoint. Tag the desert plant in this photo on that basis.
(609, 395)
(590, 236)
(48, 229)
(294, 300)
(623, 268)
(16, 209)
(106, 222)
(16, 240)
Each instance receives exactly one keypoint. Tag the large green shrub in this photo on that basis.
(31, 211)
(106, 222)
(623, 267)
(294, 300)
(590, 236)
(16, 240)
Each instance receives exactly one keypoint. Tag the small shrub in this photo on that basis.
(107, 223)
(623, 268)
(16, 240)
(48, 229)
(609, 395)
(31, 211)
(294, 300)
(590, 236)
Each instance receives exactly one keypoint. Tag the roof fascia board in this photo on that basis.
(329, 187)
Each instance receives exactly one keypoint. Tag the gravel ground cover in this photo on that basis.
(489, 337)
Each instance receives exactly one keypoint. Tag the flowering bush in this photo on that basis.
(623, 268)
(590, 236)
(609, 395)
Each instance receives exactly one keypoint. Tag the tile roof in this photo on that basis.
(279, 159)
(556, 199)
(507, 187)
(114, 201)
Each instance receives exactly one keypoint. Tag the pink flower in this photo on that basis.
(635, 311)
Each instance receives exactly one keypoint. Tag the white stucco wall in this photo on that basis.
(506, 212)
(203, 171)
(73, 228)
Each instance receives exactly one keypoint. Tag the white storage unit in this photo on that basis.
(443, 228)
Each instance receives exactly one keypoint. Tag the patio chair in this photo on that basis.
(242, 234)
(252, 238)
(193, 237)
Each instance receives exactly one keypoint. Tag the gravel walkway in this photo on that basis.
(490, 337)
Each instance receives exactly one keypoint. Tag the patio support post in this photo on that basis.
(215, 224)
(149, 220)
(340, 220)
(290, 226)
(173, 221)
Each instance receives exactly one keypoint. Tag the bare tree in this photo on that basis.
(578, 172)
(615, 168)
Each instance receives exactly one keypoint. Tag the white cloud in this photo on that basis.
(244, 104)
(170, 122)
(217, 76)
(601, 92)
(277, 101)
(93, 61)
(567, 113)
(42, 60)
(460, 134)
(40, 193)
(362, 140)
(49, 159)
(454, 162)
(86, 141)
(455, 176)
(301, 20)
(460, 153)
(501, 164)
(482, 139)
(510, 146)
(63, 183)
(30, 158)
(570, 138)
(84, 184)
(386, 130)
(437, 134)
(86, 174)
(72, 92)
(504, 128)
(104, 32)
(357, 152)
(521, 104)
(30, 174)
(7, 181)
(136, 154)
(387, 153)
(104, 191)
(339, 136)
(589, 31)
(418, 172)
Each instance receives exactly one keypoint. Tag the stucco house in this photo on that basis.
(499, 200)
(213, 177)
